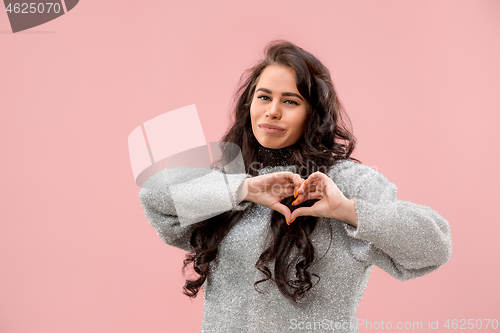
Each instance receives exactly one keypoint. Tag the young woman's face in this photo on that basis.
(278, 103)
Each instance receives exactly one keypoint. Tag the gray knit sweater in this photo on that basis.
(404, 239)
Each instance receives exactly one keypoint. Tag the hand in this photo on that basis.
(269, 190)
(332, 202)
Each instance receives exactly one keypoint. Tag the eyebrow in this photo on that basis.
(282, 94)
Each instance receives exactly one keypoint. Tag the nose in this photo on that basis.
(274, 110)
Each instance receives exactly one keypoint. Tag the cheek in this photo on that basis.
(252, 110)
(252, 118)
(300, 126)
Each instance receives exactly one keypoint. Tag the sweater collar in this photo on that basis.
(270, 157)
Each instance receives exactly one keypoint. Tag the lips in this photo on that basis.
(269, 126)
(271, 129)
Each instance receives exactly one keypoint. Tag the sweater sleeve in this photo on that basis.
(175, 199)
(404, 239)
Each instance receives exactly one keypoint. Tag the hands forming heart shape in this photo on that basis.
(270, 189)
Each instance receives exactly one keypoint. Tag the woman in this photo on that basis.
(307, 223)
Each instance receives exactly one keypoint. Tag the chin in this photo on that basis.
(270, 144)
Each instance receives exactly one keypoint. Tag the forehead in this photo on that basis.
(277, 77)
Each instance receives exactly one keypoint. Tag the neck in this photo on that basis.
(274, 156)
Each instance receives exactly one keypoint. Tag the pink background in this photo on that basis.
(419, 80)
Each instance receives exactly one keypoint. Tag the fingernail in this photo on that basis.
(287, 221)
(305, 181)
(292, 220)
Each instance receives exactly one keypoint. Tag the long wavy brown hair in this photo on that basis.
(326, 140)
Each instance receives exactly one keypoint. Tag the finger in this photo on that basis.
(284, 191)
(302, 211)
(290, 182)
(310, 196)
(315, 194)
(292, 177)
(299, 179)
(280, 208)
(304, 190)
(282, 179)
(290, 189)
(316, 179)
(285, 175)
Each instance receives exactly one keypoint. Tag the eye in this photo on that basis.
(292, 102)
(263, 96)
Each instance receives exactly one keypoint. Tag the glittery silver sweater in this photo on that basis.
(404, 239)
